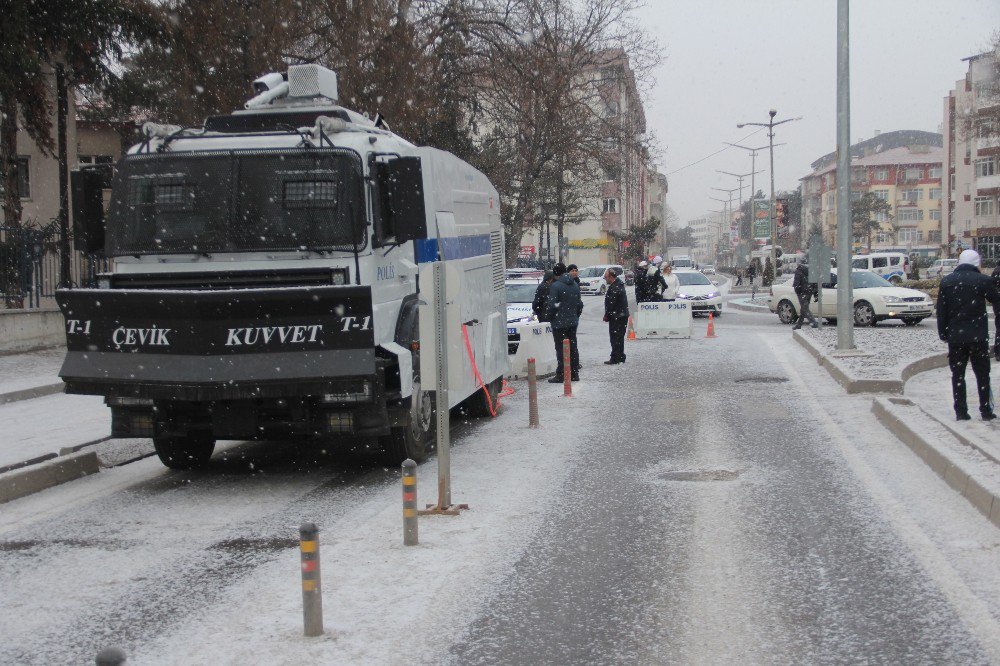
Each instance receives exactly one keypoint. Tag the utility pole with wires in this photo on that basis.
(753, 165)
(770, 125)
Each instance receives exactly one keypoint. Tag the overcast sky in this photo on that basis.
(730, 61)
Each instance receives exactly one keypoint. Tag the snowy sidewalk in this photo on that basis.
(30, 374)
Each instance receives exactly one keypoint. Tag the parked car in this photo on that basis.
(875, 299)
(520, 294)
(592, 278)
(940, 268)
(708, 269)
(517, 273)
(702, 293)
(893, 266)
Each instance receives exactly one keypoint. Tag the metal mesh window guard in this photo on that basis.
(237, 201)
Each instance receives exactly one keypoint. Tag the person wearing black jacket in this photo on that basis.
(539, 305)
(962, 323)
(806, 291)
(640, 282)
(565, 305)
(655, 284)
(616, 314)
(996, 312)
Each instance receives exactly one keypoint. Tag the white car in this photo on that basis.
(702, 293)
(875, 300)
(592, 278)
(708, 269)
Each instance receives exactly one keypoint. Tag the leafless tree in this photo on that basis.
(549, 127)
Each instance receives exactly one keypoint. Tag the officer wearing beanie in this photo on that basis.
(962, 323)
(564, 309)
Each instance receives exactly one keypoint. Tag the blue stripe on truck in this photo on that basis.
(456, 247)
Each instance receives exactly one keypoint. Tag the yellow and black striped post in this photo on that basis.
(409, 502)
(312, 594)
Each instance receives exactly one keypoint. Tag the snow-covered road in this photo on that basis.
(711, 501)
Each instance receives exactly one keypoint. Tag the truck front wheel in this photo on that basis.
(412, 439)
(185, 452)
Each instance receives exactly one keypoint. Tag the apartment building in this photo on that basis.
(707, 230)
(903, 168)
(631, 190)
(972, 158)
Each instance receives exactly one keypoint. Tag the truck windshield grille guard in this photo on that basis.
(237, 201)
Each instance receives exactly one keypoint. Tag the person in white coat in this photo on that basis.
(673, 285)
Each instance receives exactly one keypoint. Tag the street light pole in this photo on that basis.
(770, 125)
(845, 297)
(753, 163)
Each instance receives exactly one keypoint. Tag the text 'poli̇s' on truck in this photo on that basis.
(264, 280)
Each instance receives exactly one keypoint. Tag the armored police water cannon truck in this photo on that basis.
(264, 279)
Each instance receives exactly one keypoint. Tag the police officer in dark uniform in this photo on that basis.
(565, 305)
(962, 323)
(539, 305)
(616, 314)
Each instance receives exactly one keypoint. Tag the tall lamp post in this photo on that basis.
(770, 125)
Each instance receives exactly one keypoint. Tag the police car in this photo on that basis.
(703, 294)
(520, 294)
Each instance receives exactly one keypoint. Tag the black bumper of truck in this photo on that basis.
(301, 359)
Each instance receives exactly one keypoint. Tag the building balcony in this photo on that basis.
(905, 203)
(989, 145)
(987, 185)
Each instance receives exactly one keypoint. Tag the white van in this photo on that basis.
(893, 266)
(940, 268)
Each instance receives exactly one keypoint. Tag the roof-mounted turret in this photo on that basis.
(303, 85)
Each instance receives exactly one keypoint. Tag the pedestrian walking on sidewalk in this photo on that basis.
(752, 273)
(616, 314)
(805, 291)
(739, 277)
(539, 305)
(565, 305)
(962, 323)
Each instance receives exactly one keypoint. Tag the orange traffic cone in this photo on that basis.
(710, 333)
(631, 329)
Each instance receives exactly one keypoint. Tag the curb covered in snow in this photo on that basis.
(743, 304)
(52, 469)
(33, 392)
(854, 384)
(961, 468)
(22, 482)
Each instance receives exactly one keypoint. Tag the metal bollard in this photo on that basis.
(312, 594)
(110, 656)
(532, 394)
(567, 370)
(409, 503)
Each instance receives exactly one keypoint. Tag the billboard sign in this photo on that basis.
(761, 218)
